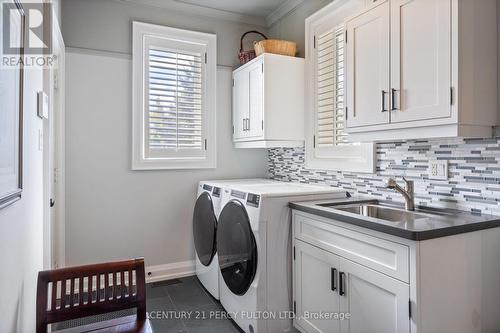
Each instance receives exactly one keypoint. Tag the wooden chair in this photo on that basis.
(77, 292)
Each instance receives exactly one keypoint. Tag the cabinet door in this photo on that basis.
(421, 58)
(315, 287)
(240, 103)
(256, 96)
(368, 67)
(376, 302)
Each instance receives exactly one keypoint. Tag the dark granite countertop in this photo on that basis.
(428, 223)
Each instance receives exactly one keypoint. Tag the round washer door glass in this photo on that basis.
(236, 248)
(204, 228)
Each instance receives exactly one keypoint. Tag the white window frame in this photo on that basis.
(355, 157)
(145, 34)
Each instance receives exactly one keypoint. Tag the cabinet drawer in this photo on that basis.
(381, 255)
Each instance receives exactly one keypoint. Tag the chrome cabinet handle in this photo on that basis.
(393, 100)
(384, 109)
(341, 283)
(333, 279)
(248, 124)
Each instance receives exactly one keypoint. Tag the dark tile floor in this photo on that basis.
(182, 305)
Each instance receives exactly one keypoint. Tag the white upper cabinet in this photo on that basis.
(421, 60)
(368, 68)
(268, 103)
(241, 104)
(422, 69)
(255, 124)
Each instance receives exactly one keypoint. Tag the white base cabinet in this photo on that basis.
(374, 301)
(268, 102)
(316, 287)
(329, 284)
(386, 284)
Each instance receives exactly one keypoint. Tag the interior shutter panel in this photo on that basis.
(174, 101)
(330, 121)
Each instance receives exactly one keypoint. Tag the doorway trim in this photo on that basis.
(54, 228)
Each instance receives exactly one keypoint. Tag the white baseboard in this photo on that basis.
(170, 271)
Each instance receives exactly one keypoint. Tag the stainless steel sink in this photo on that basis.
(383, 211)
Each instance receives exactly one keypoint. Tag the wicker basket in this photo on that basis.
(246, 56)
(276, 46)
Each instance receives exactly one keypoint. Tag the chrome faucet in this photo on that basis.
(407, 193)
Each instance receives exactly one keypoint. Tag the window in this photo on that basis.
(327, 143)
(174, 79)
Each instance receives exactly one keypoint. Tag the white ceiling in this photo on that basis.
(261, 8)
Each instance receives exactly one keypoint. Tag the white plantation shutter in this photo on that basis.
(328, 146)
(330, 121)
(174, 98)
(174, 110)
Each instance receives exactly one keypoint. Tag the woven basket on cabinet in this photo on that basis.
(246, 56)
(276, 46)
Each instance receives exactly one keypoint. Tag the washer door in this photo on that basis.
(236, 248)
(204, 228)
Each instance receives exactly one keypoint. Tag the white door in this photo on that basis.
(49, 171)
(316, 287)
(255, 127)
(376, 302)
(240, 103)
(421, 59)
(368, 51)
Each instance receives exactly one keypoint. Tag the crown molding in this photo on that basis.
(282, 11)
(202, 11)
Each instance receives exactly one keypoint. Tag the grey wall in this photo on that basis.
(292, 26)
(106, 25)
(113, 212)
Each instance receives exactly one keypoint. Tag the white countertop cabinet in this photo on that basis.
(390, 284)
(422, 69)
(268, 102)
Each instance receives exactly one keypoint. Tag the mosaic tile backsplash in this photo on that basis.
(473, 183)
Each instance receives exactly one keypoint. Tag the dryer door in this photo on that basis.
(236, 248)
(204, 228)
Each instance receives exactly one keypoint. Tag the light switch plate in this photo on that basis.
(438, 170)
(43, 105)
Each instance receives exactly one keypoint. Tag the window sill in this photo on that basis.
(360, 158)
(172, 164)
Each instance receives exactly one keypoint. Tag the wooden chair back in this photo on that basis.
(76, 292)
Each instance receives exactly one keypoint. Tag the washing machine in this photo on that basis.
(255, 255)
(205, 214)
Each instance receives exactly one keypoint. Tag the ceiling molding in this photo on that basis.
(187, 8)
(282, 11)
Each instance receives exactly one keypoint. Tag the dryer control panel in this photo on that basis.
(216, 192)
